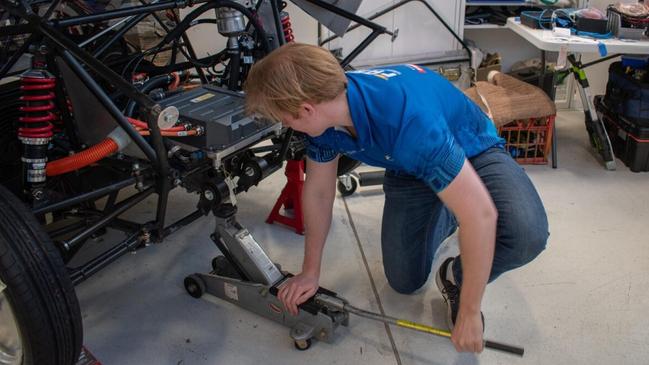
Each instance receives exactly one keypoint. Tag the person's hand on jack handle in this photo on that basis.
(467, 333)
(298, 290)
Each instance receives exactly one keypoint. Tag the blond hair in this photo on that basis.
(291, 75)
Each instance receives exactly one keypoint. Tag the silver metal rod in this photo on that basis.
(89, 40)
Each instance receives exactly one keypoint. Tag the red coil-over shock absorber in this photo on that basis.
(35, 131)
(37, 87)
(286, 26)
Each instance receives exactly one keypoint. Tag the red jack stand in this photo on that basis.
(291, 198)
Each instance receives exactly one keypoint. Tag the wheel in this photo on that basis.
(302, 345)
(223, 267)
(347, 190)
(194, 286)
(40, 320)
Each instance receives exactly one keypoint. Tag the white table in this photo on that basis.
(546, 41)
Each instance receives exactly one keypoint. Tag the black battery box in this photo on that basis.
(221, 115)
(629, 139)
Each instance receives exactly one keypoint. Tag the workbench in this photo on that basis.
(570, 48)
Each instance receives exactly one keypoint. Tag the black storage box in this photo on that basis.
(531, 75)
(627, 94)
(630, 141)
(599, 26)
(537, 19)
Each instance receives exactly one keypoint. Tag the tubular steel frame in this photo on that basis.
(47, 33)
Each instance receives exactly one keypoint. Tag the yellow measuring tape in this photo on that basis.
(423, 328)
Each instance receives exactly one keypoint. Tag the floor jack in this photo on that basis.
(246, 276)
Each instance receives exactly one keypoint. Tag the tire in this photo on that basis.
(38, 290)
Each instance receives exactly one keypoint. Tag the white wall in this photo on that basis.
(305, 28)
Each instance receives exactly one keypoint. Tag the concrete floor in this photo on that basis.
(583, 301)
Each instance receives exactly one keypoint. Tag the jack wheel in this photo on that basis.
(303, 345)
(222, 267)
(219, 263)
(347, 191)
(194, 286)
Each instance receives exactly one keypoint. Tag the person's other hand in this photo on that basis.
(297, 290)
(467, 333)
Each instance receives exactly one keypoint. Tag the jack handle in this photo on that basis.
(342, 305)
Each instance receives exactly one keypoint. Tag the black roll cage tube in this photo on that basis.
(44, 32)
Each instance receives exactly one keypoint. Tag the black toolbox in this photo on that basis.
(630, 140)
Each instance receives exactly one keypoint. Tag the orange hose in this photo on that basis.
(137, 123)
(166, 133)
(140, 125)
(176, 82)
(190, 86)
(83, 158)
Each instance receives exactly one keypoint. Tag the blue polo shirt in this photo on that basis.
(408, 119)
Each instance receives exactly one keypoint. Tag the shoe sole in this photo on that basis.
(440, 287)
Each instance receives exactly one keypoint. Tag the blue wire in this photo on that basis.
(592, 35)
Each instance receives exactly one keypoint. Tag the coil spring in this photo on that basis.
(287, 27)
(38, 95)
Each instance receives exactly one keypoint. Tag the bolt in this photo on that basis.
(322, 335)
(177, 182)
(250, 171)
(139, 185)
(43, 49)
(136, 166)
(209, 195)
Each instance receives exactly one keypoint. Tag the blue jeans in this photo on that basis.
(415, 222)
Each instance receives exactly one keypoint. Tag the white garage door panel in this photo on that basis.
(421, 35)
(381, 47)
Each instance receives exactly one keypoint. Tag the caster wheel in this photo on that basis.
(303, 345)
(347, 190)
(194, 286)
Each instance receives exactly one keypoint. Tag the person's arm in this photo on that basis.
(468, 198)
(318, 196)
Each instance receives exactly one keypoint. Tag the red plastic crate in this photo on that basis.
(529, 141)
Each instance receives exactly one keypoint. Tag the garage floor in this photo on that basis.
(583, 301)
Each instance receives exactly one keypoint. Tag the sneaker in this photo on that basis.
(450, 291)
